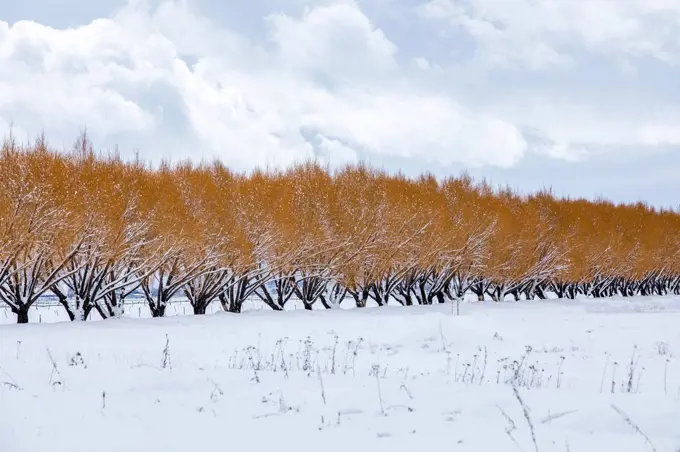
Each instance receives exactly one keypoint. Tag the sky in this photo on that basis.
(579, 96)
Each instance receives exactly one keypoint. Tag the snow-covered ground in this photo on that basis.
(582, 375)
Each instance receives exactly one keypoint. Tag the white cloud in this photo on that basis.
(327, 82)
(577, 128)
(541, 33)
(56, 79)
(591, 62)
(329, 72)
(338, 40)
(335, 153)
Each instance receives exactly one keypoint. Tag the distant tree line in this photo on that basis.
(91, 229)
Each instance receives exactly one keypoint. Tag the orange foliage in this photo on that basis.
(370, 233)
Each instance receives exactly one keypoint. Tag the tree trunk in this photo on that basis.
(276, 307)
(64, 302)
(571, 292)
(494, 295)
(86, 311)
(423, 299)
(158, 310)
(478, 289)
(360, 298)
(378, 299)
(540, 292)
(200, 307)
(102, 313)
(661, 290)
(22, 313)
(324, 302)
(498, 293)
(231, 304)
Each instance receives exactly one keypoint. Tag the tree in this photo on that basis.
(35, 221)
(94, 229)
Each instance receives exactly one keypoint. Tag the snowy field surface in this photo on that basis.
(585, 375)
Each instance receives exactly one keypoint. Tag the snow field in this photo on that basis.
(585, 375)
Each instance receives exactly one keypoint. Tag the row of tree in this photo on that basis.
(91, 229)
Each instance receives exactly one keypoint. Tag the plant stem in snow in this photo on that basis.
(355, 353)
(481, 378)
(255, 378)
(376, 371)
(441, 333)
(405, 388)
(323, 391)
(55, 370)
(634, 426)
(335, 347)
(166, 354)
(527, 416)
(614, 377)
(511, 428)
(559, 372)
(12, 383)
(604, 371)
(631, 371)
